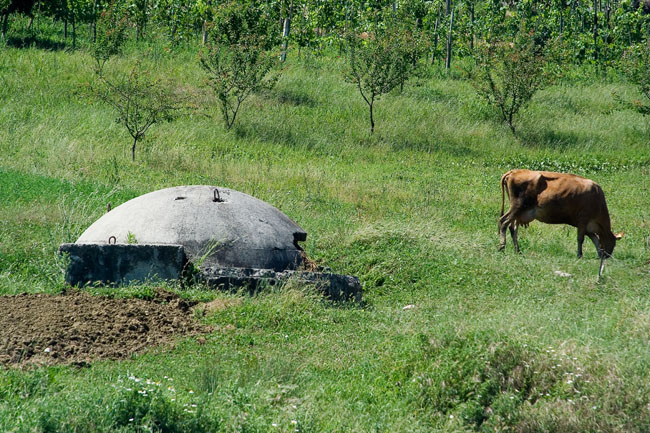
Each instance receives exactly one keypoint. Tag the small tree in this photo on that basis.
(110, 38)
(139, 102)
(378, 63)
(509, 75)
(4, 10)
(636, 66)
(238, 60)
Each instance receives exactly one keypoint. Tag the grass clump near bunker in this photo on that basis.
(410, 209)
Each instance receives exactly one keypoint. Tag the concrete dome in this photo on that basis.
(216, 226)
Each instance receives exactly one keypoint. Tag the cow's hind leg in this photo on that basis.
(504, 223)
(514, 227)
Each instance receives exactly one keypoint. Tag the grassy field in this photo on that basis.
(489, 341)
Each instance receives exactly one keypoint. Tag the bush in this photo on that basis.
(238, 59)
(139, 101)
(378, 63)
(509, 75)
(636, 66)
(110, 38)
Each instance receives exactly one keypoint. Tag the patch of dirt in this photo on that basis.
(78, 328)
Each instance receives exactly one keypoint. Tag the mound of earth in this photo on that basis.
(77, 328)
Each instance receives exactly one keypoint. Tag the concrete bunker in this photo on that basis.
(232, 239)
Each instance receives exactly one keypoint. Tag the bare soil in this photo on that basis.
(78, 328)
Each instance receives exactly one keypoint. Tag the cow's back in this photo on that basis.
(570, 199)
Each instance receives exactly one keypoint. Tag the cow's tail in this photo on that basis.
(504, 191)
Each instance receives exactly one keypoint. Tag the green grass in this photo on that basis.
(492, 341)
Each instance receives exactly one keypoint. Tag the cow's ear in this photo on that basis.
(618, 236)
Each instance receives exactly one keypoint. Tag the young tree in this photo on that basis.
(235, 71)
(509, 75)
(139, 101)
(4, 8)
(238, 60)
(378, 64)
(111, 37)
(8, 7)
(636, 66)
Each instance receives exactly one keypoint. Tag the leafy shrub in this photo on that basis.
(378, 63)
(110, 38)
(509, 75)
(237, 70)
(238, 59)
(235, 22)
(636, 66)
(138, 100)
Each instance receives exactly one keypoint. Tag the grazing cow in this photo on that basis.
(556, 198)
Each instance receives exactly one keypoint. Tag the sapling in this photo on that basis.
(238, 58)
(110, 38)
(508, 76)
(377, 64)
(636, 66)
(235, 71)
(139, 101)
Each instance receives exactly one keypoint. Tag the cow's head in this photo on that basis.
(608, 242)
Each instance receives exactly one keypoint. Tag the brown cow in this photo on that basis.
(556, 198)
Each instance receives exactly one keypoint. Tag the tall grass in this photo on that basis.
(452, 336)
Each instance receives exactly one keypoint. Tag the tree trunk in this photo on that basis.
(285, 38)
(135, 141)
(4, 24)
(74, 34)
(204, 37)
(471, 20)
(449, 40)
(596, 31)
(65, 29)
(372, 119)
(435, 36)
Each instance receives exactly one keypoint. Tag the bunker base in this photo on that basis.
(121, 264)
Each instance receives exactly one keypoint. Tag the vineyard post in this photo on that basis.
(451, 26)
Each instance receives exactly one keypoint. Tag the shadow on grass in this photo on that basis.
(446, 143)
(273, 133)
(428, 94)
(291, 97)
(35, 42)
(549, 138)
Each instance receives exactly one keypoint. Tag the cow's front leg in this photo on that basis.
(581, 239)
(596, 242)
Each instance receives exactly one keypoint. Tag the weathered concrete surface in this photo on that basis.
(224, 228)
(232, 239)
(336, 287)
(122, 264)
